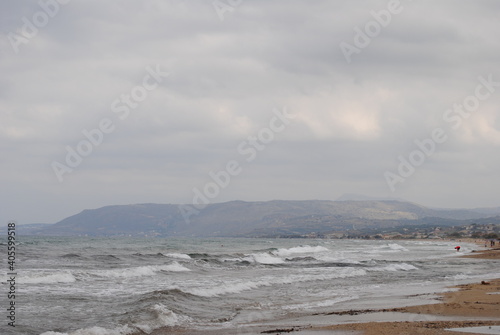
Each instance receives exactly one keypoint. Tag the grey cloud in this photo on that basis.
(352, 121)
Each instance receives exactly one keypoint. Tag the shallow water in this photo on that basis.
(478, 330)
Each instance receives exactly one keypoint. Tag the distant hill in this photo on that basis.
(362, 197)
(240, 218)
(489, 211)
(27, 229)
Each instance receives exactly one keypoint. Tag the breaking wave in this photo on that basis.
(140, 271)
(239, 286)
(306, 249)
(177, 255)
(48, 278)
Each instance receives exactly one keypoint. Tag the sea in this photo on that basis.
(118, 286)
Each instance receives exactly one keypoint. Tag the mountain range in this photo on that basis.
(252, 219)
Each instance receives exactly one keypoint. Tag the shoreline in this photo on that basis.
(470, 302)
(467, 305)
(492, 253)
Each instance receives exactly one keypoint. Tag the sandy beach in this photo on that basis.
(485, 254)
(472, 301)
(477, 304)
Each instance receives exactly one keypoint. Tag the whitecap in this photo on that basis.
(397, 247)
(305, 249)
(47, 278)
(398, 267)
(240, 286)
(174, 267)
(161, 317)
(177, 255)
(264, 258)
(148, 270)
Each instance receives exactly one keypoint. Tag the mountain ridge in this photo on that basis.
(241, 218)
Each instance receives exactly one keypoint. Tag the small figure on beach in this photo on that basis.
(457, 247)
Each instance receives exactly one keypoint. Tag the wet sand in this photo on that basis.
(485, 254)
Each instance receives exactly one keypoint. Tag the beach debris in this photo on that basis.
(279, 331)
(362, 311)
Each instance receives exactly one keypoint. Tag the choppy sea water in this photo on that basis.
(100, 286)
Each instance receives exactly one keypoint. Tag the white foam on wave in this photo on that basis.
(337, 257)
(162, 317)
(238, 286)
(148, 270)
(264, 258)
(279, 256)
(384, 249)
(397, 247)
(47, 278)
(227, 288)
(123, 330)
(305, 249)
(177, 255)
(174, 267)
(460, 276)
(397, 267)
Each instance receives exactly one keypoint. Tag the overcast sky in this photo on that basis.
(353, 94)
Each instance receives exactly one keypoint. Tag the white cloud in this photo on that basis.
(347, 113)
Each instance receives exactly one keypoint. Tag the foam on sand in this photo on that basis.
(478, 330)
(318, 304)
(124, 330)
